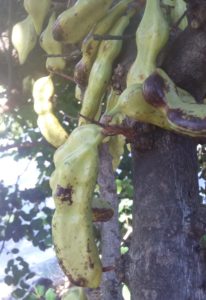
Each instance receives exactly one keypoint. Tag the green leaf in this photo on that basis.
(50, 294)
(40, 290)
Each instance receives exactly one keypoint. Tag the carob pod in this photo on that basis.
(101, 210)
(90, 45)
(116, 143)
(102, 70)
(52, 47)
(73, 183)
(51, 129)
(132, 104)
(151, 36)
(177, 12)
(75, 23)
(37, 9)
(183, 114)
(24, 38)
(75, 293)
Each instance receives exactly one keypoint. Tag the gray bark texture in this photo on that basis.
(164, 261)
(111, 287)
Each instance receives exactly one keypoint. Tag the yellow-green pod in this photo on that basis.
(151, 36)
(131, 103)
(116, 143)
(186, 117)
(55, 63)
(51, 129)
(43, 91)
(37, 9)
(90, 45)
(52, 47)
(177, 12)
(75, 293)
(101, 210)
(24, 38)
(73, 183)
(74, 23)
(101, 71)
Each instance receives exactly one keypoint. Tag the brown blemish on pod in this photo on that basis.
(57, 32)
(102, 214)
(80, 74)
(91, 264)
(80, 281)
(88, 247)
(188, 122)
(64, 194)
(154, 89)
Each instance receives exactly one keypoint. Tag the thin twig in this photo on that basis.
(65, 76)
(98, 37)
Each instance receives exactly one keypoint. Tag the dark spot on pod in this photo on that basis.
(64, 194)
(187, 122)
(88, 247)
(57, 32)
(80, 281)
(102, 214)
(81, 74)
(154, 89)
(91, 264)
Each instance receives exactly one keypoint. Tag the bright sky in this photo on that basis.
(26, 170)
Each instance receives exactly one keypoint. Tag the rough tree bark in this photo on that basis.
(163, 260)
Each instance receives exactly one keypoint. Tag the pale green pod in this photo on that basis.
(37, 9)
(75, 293)
(90, 46)
(183, 115)
(52, 47)
(75, 23)
(151, 36)
(24, 38)
(101, 71)
(73, 183)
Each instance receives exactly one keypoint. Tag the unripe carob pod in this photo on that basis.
(73, 183)
(185, 117)
(38, 10)
(51, 46)
(151, 36)
(132, 104)
(101, 70)
(116, 143)
(75, 23)
(24, 38)
(75, 293)
(51, 129)
(177, 12)
(90, 45)
(101, 210)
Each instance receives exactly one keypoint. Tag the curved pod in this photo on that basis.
(24, 38)
(74, 23)
(38, 10)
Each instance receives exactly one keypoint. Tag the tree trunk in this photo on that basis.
(164, 261)
(164, 258)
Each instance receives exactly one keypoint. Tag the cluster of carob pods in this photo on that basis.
(150, 96)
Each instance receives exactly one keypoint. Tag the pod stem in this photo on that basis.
(108, 269)
(111, 130)
(105, 37)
